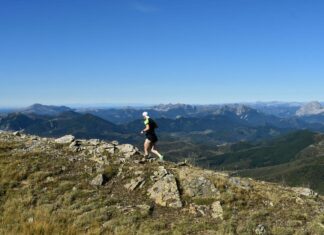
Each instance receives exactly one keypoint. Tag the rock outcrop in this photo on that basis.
(165, 191)
(69, 183)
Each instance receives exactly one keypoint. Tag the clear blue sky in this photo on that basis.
(160, 51)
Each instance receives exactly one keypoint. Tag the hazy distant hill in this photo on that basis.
(312, 108)
(279, 109)
(81, 125)
(46, 110)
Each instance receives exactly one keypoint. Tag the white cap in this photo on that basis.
(145, 114)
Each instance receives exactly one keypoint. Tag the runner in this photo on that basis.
(151, 138)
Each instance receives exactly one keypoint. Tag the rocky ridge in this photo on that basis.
(70, 185)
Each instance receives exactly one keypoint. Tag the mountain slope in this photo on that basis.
(280, 150)
(52, 186)
(296, 159)
(307, 168)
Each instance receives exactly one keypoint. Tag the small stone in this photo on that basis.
(198, 210)
(50, 179)
(240, 183)
(217, 210)
(305, 192)
(30, 220)
(99, 180)
(94, 142)
(260, 230)
(299, 201)
(144, 209)
(138, 173)
(16, 133)
(183, 163)
(67, 139)
(134, 183)
(115, 142)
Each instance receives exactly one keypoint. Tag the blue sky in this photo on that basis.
(160, 51)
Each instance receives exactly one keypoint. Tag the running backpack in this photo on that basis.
(153, 124)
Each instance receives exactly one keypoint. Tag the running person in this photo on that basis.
(151, 138)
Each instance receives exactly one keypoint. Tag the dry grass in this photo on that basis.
(45, 192)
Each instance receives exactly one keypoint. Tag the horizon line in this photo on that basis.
(120, 105)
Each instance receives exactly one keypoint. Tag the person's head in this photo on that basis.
(145, 115)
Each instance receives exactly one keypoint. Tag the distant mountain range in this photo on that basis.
(234, 137)
(196, 123)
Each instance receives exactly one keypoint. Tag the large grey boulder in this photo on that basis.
(127, 150)
(195, 185)
(67, 139)
(165, 192)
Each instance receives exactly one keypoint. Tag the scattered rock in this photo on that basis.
(217, 210)
(240, 183)
(30, 220)
(49, 179)
(194, 185)
(75, 145)
(199, 210)
(183, 163)
(165, 192)
(160, 173)
(260, 230)
(103, 160)
(138, 172)
(99, 180)
(127, 150)
(94, 142)
(110, 148)
(17, 133)
(199, 187)
(299, 201)
(134, 183)
(67, 139)
(34, 138)
(305, 192)
(115, 142)
(145, 209)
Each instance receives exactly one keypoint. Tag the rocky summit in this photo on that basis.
(79, 186)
